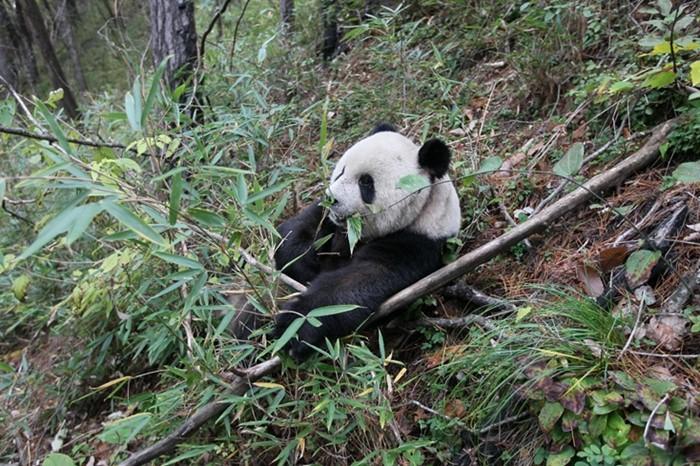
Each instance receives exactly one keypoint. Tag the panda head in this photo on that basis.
(365, 181)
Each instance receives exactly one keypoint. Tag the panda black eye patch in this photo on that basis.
(366, 184)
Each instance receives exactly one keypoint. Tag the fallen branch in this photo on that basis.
(464, 264)
(53, 140)
(604, 181)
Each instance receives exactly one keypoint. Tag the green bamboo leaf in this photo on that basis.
(332, 310)
(413, 183)
(175, 195)
(572, 161)
(179, 260)
(59, 224)
(288, 334)
(3, 185)
(491, 164)
(53, 125)
(354, 225)
(124, 430)
(58, 459)
(83, 217)
(153, 91)
(688, 172)
(134, 223)
(207, 217)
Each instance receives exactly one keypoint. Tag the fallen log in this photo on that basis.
(599, 183)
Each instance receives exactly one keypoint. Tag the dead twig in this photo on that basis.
(53, 140)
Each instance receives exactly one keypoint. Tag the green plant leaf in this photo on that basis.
(288, 334)
(153, 91)
(549, 415)
(20, 285)
(124, 430)
(660, 79)
(572, 161)
(490, 164)
(83, 217)
(687, 173)
(179, 260)
(132, 105)
(695, 73)
(207, 217)
(58, 459)
(53, 124)
(332, 310)
(134, 223)
(413, 183)
(59, 224)
(562, 458)
(3, 185)
(175, 194)
(354, 226)
(639, 265)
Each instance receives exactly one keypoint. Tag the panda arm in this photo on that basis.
(377, 271)
(296, 255)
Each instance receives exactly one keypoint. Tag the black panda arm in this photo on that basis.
(296, 255)
(378, 270)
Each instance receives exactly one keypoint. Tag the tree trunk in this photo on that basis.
(287, 14)
(9, 56)
(66, 22)
(58, 79)
(173, 33)
(329, 14)
(25, 46)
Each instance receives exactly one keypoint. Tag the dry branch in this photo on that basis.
(53, 140)
(464, 264)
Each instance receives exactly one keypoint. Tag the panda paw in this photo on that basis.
(298, 347)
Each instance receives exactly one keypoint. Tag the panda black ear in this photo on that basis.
(434, 156)
(380, 127)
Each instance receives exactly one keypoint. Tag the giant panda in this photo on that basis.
(401, 241)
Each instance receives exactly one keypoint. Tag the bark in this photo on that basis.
(26, 45)
(9, 58)
(58, 79)
(173, 33)
(287, 15)
(66, 21)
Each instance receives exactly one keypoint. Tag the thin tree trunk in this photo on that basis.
(26, 45)
(9, 56)
(287, 14)
(173, 33)
(58, 79)
(329, 14)
(66, 20)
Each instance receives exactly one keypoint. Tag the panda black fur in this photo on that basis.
(402, 234)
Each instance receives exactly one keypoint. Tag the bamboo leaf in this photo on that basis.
(175, 195)
(572, 161)
(134, 223)
(153, 91)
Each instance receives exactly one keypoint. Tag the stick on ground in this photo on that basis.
(464, 264)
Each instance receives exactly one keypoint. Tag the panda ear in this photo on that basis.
(380, 127)
(434, 156)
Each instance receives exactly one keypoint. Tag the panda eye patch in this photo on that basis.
(366, 184)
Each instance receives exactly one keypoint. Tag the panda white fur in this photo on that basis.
(402, 234)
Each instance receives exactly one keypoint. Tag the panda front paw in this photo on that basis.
(298, 346)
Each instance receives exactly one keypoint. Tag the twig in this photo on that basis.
(642, 301)
(212, 23)
(511, 222)
(674, 304)
(432, 411)
(631, 231)
(464, 292)
(670, 356)
(51, 139)
(651, 418)
(507, 420)
(433, 281)
(457, 323)
(235, 33)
